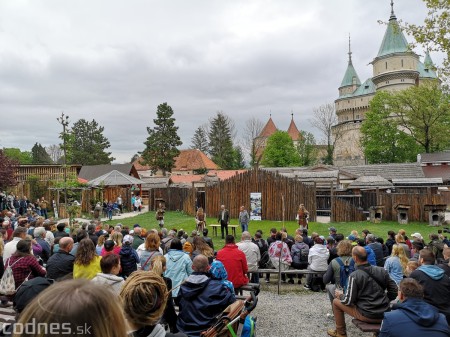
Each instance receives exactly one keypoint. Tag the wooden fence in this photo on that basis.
(390, 200)
(345, 211)
(235, 192)
(174, 198)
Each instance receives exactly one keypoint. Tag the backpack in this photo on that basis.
(7, 283)
(344, 271)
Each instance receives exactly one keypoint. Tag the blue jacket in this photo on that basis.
(128, 259)
(414, 317)
(178, 268)
(394, 267)
(201, 300)
(370, 256)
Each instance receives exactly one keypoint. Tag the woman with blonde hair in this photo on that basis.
(200, 219)
(152, 242)
(202, 248)
(169, 317)
(144, 297)
(396, 264)
(87, 262)
(400, 240)
(75, 308)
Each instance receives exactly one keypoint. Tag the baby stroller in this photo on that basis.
(235, 320)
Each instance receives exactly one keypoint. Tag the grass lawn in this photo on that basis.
(180, 220)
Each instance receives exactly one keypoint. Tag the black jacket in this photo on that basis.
(128, 259)
(59, 265)
(366, 289)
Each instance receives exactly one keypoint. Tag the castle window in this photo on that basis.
(402, 80)
(402, 63)
(386, 65)
(357, 116)
(387, 82)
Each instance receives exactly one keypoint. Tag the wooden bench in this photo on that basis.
(367, 327)
(216, 226)
(291, 272)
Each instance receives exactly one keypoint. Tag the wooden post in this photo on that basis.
(332, 202)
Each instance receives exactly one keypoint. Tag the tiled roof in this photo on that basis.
(90, 172)
(193, 159)
(225, 174)
(293, 131)
(139, 167)
(436, 157)
(387, 171)
(269, 129)
(440, 171)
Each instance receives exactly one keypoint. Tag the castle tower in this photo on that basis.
(293, 131)
(395, 67)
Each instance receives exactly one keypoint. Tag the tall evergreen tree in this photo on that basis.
(239, 161)
(220, 141)
(40, 155)
(200, 140)
(162, 141)
(87, 145)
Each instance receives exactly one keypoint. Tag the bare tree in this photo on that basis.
(252, 144)
(55, 152)
(324, 119)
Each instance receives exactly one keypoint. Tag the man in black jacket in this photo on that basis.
(435, 283)
(60, 264)
(224, 220)
(365, 298)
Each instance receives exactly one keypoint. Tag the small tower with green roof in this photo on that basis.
(351, 81)
(395, 66)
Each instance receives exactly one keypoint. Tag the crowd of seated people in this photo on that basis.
(362, 273)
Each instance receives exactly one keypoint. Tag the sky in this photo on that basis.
(115, 61)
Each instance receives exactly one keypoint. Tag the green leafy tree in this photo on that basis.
(87, 145)
(22, 157)
(382, 139)
(200, 140)
(280, 151)
(220, 141)
(7, 171)
(434, 34)
(162, 141)
(306, 148)
(424, 113)
(39, 155)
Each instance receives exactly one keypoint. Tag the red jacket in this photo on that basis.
(235, 264)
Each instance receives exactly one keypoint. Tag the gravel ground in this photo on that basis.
(295, 313)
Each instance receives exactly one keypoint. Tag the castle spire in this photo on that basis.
(349, 50)
(392, 11)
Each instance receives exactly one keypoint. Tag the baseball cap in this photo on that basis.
(417, 236)
(128, 239)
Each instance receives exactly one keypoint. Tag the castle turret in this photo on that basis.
(395, 65)
(351, 81)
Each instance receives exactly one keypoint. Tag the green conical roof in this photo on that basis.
(350, 74)
(427, 68)
(428, 62)
(394, 41)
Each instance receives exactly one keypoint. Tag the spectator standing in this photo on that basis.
(44, 207)
(224, 220)
(152, 243)
(129, 259)
(119, 203)
(244, 218)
